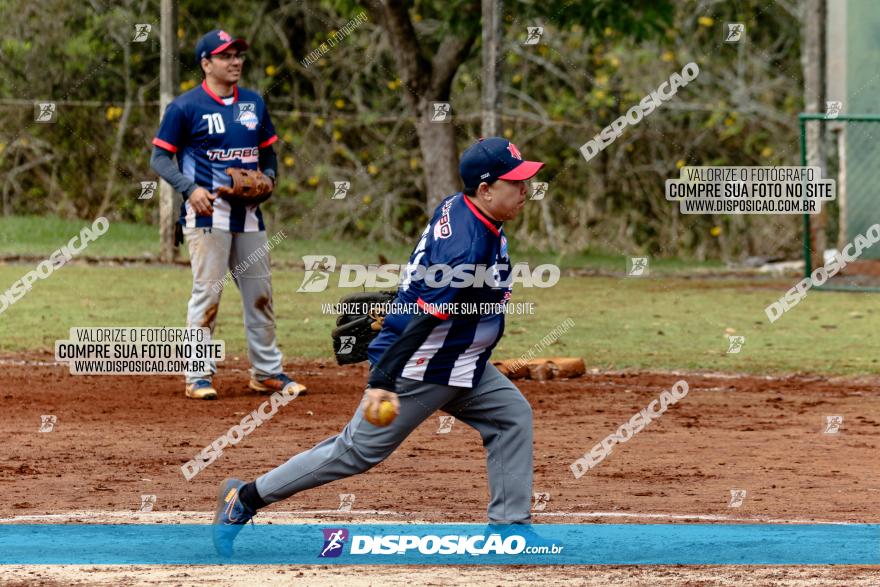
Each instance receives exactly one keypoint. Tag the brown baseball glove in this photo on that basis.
(249, 187)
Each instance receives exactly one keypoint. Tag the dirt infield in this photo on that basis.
(117, 438)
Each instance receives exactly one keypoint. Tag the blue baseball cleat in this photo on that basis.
(230, 516)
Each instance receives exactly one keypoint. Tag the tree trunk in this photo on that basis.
(167, 83)
(118, 142)
(491, 66)
(437, 144)
(428, 81)
(813, 63)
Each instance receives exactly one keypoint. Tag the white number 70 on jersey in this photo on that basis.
(215, 123)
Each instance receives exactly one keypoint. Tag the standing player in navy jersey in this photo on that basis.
(429, 359)
(212, 127)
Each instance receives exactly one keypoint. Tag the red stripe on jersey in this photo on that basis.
(217, 98)
(429, 308)
(164, 144)
(268, 141)
(479, 215)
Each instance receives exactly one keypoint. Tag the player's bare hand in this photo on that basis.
(374, 397)
(202, 201)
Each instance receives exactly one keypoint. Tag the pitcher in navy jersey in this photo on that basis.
(214, 126)
(429, 359)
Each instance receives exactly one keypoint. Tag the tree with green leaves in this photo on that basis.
(429, 56)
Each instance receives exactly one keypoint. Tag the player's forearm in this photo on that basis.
(268, 162)
(384, 373)
(164, 165)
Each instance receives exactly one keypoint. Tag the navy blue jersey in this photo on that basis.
(459, 344)
(209, 134)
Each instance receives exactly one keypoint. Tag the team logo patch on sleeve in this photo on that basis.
(443, 228)
(246, 114)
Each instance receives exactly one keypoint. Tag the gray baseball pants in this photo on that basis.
(212, 253)
(495, 408)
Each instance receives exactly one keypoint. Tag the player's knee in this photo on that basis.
(206, 294)
(521, 413)
(516, 418)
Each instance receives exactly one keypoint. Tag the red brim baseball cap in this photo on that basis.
(241, 44)
(494, 158)
(525, 170)
(216, 42)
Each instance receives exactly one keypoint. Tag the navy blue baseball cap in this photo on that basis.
(215, 42)
(494, 158)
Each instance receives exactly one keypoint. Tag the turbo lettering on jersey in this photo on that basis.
(247, 155)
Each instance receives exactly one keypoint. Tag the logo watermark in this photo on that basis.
(441, 112)
(334, 540)
(822, 274)
(340, 190)
(539, 190)
(147, 503)
(55, 261)
(833, 424)
(551, 337)
(664, 92)
(446, 423)
(148, 189)
(317, 275)
(533, 35)
(319, 268)
(750, 190)
(734, 32)
(451, 544)
(737, 497)
(334, 38)
(138, 351)
(47, 423)
(628, 429)
(346, 500)
(346, 345)
(45, 112)
(251, 259)
(541, 501)
(264, 412)
(833, 108)
(141, 33)
(449, 308)
(735, 344)
(637, 266)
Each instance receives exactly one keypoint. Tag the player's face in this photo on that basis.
(507, 199)
(226, 66)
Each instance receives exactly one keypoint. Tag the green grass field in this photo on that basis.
(657, 323)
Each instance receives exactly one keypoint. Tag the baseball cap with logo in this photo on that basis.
(494, 158)
(215, 42)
